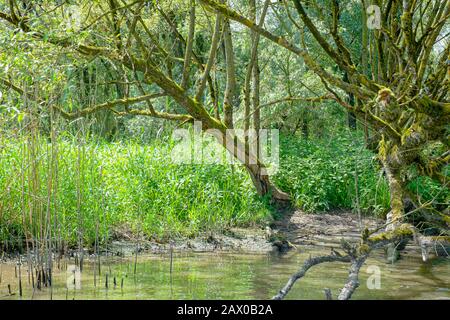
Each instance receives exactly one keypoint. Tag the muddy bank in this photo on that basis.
(233, 239)
(295, 229)
(324, 229)
(327, 230)
(124, 244)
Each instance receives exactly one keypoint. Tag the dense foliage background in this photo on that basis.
(110, 172)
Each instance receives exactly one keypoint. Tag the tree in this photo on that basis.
(389, 71)
(401, 89)
(404, 100)
(128, 41)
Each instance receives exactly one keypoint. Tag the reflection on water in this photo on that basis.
(231, 276)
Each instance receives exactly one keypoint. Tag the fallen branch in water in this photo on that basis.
(352, 282)
(334, 257)
(356, 254)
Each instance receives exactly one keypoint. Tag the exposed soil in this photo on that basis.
(296, 228)
(324, 229)
(235, 239)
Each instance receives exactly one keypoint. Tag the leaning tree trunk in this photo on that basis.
(258, 172)
(264, 186)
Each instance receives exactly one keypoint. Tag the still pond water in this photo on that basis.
(231, 276)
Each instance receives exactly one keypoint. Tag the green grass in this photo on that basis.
(320, 175)
(74, 190)
(127, 186)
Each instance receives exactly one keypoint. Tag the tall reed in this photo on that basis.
(64, 192)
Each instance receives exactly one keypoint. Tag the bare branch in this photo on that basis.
(212, 57)
(311, 262)
(189, 45)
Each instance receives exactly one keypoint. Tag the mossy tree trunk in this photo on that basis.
(395, 216)
(404, 99)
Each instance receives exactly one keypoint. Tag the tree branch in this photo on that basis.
(212, 57)
(309, 61)
(311, 262)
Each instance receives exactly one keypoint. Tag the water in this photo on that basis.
(233, 276)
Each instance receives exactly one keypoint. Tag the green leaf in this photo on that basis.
(20, 117)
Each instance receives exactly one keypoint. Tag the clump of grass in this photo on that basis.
(107, 186)
(75, 190)
(320, 175)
